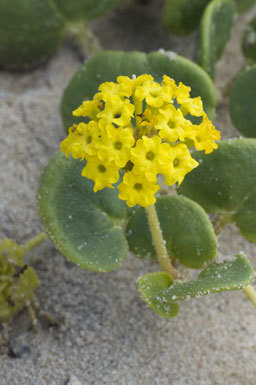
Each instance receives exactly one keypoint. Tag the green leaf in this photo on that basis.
(182, 16)
(30, 31)
(186, 228)
(161, 295)
(84, 226)
(85, 10)
(108, 65)
(225, 183)
(244, 5)
(216, 27)
(149, 285)
(17, 280)
(217, 277)
(249, 41)
(242, 102)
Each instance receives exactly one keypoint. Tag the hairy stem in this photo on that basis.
(220, 221)
(87, 42)
(159, 242)
(251, 294)
(33, 242)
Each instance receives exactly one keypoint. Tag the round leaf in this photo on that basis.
(218, 16)
(85, 226)
(186, 228)
(242, 102)
(229, 275)
(30, 31)
(225, 182)
(152, 283)
(182, 16)
(85, 9)
(108, 65)
(249, 41)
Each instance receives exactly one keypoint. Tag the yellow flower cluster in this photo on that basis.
(141, 128)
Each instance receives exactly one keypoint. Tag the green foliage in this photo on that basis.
(242, 102)
(31, 30)
(17, 280)
(108, 65)
(149, 285)
(182, 16)
(244, 5)
(85, 226)
(85, 9)
(224, 183)
(216, 27)
(162, 296)
(186, 228)
(249, 41)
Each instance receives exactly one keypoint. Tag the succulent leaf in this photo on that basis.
(85, 226)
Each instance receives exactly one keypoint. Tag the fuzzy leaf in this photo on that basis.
(216, 27)
(242, 102)
(225, 183)
(157, 290)
(217, 277)
(108, 65)
(85, 9)
(30, 31)
(83, 225)
(149, 285)
(186, 228)
(249, 41)
(182, 16)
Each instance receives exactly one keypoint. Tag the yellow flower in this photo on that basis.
(123, 88)
(137, 190)
(102, 173)
(154, 94)
(116, 145)
(146, 123)
(182, 163)
(116, 111)
(194, 106)
(182, 93)
(82, 140)
(89, 108)
(205, 134)
(172, 125)
(149, 156)
(139, 126)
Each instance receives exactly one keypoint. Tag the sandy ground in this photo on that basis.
(107, 335)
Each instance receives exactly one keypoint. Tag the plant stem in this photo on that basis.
(220, 221)
(251, 294)
(33, 242)
(159, 242)
(87, 42)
